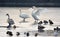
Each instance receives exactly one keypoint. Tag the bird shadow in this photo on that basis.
(34, 23)
(23, 22)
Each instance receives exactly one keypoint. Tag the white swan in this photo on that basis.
(23, 15)
(36, 13)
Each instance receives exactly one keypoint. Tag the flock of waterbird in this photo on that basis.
(35, 14)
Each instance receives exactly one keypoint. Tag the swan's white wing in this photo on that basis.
(30, 9)
(39, 11)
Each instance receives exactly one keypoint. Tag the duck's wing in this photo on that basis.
(39, 11)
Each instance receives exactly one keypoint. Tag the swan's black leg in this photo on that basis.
(24, 20)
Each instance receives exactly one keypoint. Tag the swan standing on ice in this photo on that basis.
(10, 21)
(23, 15)
(36, 13)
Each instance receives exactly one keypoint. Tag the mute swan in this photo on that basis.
(23, 15)
(36, 13)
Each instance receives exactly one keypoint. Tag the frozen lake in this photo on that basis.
(53, 14)
(46, 33)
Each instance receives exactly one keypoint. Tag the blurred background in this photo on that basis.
(29, 3)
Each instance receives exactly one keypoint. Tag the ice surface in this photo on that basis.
(53, 14)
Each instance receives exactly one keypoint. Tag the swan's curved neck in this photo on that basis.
(8, 16)
(20, 11)
(33, 11)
